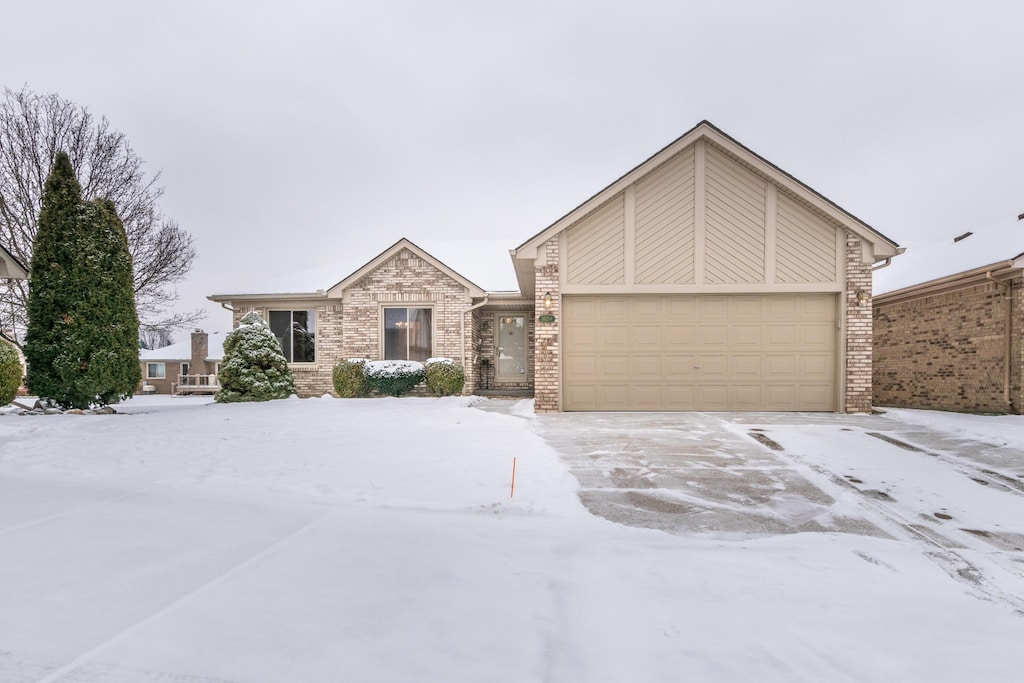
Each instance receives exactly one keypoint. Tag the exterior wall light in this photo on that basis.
(547, 301)
(862, 297)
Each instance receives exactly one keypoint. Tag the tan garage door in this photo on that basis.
(699, 352)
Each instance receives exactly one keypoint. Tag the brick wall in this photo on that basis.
(947, 351)
(546, 375)
(859, 338)
(407, 280)
(352, 329)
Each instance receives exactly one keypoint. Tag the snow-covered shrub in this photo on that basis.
(10, 373)
(393, 377)
(254, 368)
(445, 377)
(349, 379)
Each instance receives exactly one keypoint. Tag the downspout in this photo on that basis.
(462, 321)
(1007, 336)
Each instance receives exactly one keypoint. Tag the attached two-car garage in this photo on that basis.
(700, 352)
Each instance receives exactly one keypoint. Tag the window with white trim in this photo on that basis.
(156, 371)
(408, 334)
(296, 332)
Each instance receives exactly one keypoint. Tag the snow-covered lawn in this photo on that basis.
(376, 540)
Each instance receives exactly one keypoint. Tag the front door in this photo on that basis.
(511, 347)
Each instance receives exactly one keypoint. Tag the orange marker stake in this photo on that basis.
(513, 491)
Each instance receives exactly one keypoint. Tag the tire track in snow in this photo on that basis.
(70, 513)
(86, 657)
(940, 550)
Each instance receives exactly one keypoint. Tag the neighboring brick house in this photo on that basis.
(706, 278)
(949, 326)
(187, 367)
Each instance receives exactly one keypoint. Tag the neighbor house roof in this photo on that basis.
(10, 267)
(183, 350)
(881, 246)
(989, 249)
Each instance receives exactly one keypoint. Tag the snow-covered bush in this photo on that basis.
(254, 368)
(445, 377)
(349, 379)
(10, 373)
(393, 377)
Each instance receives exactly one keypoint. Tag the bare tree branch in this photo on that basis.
(33, 128)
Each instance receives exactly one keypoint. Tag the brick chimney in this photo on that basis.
(200, 350)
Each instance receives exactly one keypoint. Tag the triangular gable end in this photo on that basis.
(878, 246)
(337, 290)
(10, 267)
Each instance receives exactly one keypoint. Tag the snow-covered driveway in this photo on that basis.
(375, 540)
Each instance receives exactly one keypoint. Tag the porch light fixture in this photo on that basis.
(547, 301)
(862, 297)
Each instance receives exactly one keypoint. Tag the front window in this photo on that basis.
(156, 371)
(296, 332)
(408, 334)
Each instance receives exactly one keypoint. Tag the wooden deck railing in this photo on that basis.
(196, 384)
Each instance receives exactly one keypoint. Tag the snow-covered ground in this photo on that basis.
(377, 540)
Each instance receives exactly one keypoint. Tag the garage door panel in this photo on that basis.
(700, 352)
(646, 336)
(679, 367)
(646, 367)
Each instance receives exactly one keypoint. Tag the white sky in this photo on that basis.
(294, 135)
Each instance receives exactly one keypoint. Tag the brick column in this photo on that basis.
(546, 390)
(858, 329)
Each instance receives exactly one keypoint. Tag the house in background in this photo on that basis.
(949, 331)
(187, 367)
(706, 278)
(10, 267)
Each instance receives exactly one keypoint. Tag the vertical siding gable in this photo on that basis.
(596, 246)
(735, 223)
(805, 246)
(665, 203)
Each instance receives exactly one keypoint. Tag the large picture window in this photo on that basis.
(408, 333)
(296, 331)
(156, 371)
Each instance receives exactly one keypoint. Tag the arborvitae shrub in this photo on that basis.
(444, 376)
(394, 377)
(349, 379)
(10, 373)
(254, 367)
(81, 344)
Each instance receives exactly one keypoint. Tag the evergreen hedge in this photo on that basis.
(444, 377)
(394, 377)
(350, 380)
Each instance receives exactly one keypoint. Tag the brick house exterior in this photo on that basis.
(948, 331)
(776, 279)
(162, 369)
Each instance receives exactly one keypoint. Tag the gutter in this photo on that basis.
(462, 323)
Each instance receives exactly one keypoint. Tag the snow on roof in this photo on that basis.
(485, 263)
(1001, 241)
(183, 350)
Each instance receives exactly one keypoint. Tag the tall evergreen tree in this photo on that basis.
(81, 345)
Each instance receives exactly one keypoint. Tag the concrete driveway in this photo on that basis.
(734, 472)
(750, 475)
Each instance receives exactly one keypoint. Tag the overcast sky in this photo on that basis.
(293, 134)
